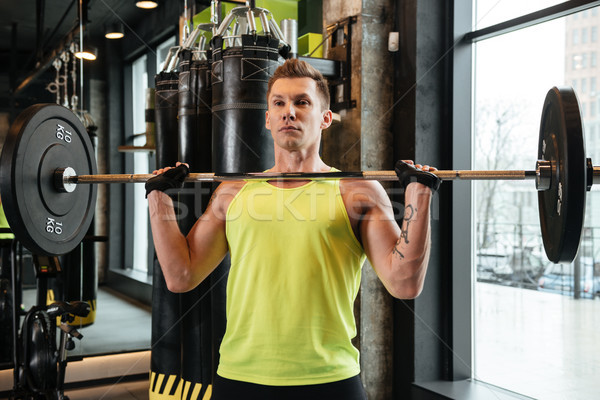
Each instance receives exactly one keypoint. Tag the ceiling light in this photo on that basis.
(146, 4)
(114, 31)
(88, 53)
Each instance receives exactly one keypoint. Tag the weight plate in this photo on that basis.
(562, 206)
(43, 138)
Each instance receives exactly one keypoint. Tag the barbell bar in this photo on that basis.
(67, 179)
(48, 174)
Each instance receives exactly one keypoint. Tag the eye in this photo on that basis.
(303, 102)
(277, 102)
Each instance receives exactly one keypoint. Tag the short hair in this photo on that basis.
(294, 68)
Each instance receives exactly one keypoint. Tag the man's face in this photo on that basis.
(294, 114)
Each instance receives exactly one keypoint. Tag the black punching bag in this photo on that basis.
(240, 75)
(165, 364)
(165, 112)
(241, 143)
(195, 134)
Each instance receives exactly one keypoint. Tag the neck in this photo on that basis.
(298, 161)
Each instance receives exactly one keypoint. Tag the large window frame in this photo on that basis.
(463, 202)
(139, 280)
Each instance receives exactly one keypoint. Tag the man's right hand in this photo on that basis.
(407, 173)
(168, 178)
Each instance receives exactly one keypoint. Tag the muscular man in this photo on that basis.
(297, 248)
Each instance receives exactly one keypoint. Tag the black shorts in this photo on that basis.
(348, 389)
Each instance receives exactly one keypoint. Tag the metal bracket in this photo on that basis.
(340, 49)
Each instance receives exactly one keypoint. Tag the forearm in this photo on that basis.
(410, 255)
(171, 246)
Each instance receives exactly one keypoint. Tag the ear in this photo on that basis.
(267, 121)
(327, 119)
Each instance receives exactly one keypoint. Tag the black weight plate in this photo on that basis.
(40, 360)
(562, 206)
(43, 138)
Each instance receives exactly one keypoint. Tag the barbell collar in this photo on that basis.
(543, 175)
(596, 175)
(61, 180)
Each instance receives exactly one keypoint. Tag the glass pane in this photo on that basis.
(162, 51)
(533, 334)
(139, 79)
(491, 12)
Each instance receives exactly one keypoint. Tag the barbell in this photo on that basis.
(48, 171)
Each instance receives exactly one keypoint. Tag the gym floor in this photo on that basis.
(120, 391)
(120, 325)
(130, 330)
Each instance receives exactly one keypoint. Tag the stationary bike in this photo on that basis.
(39, 364)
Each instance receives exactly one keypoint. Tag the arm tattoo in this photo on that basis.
(396, 250)
(409, 213)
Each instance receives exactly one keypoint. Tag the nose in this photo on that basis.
(289, 114)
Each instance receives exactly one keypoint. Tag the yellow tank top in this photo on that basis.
(4, 224)
(295, 273)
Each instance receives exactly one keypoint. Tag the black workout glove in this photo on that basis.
(408, 173)
(170, 179)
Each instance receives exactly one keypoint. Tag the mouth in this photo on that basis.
(288, 128)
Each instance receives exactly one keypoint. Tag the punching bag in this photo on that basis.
(165, 362)
(220, 120)
(241, 68)
(165, 118)
(195, 120)
(241, 142)
(240, 72)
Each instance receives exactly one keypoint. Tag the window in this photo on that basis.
(575, 37)
(491, 12)
(143, 161)
(139, 79)
(594, 34)
(528, 321)
(594, 59)
(584, 35)
(162, 51)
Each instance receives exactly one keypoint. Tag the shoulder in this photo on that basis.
(364, 191)
(364, 198)
(224, 194)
